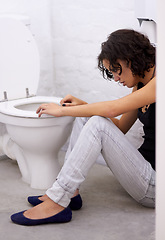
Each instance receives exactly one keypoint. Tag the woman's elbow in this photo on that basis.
(111, 113)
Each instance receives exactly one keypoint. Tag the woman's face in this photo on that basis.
(126, 77)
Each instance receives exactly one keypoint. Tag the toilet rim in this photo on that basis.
(11, 108)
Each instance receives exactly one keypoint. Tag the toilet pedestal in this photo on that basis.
(37, 169)
(43, 169)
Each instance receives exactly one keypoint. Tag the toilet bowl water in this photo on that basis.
(34, 142)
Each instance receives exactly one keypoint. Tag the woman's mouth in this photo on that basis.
(123, 83)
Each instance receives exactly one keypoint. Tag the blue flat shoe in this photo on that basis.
(34, 200)
(61, 217)
(75, 203)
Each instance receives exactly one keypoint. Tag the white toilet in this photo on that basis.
(34, 142)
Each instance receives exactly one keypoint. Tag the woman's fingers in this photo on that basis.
(41, 112)
(67, 104)
(66, 99)
(41, 107)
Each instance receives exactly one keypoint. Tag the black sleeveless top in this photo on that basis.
(147, 149)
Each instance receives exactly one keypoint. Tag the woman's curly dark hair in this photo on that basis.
(130, 46)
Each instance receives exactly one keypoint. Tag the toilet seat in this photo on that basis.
(12, 114)
(19, 60)
(26, 107)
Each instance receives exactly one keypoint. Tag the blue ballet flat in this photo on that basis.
(34, 200)
(61, 217)
(75, 203)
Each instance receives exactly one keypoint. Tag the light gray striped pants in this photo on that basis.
(89, 138)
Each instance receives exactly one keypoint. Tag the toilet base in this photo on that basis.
(43, 169)
(37, 169)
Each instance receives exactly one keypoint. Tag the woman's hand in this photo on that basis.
(49, 108)
(69, 100)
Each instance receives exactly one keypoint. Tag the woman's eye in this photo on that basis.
(113, 70)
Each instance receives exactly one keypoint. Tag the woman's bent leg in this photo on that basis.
(128, 165)
(77, 127)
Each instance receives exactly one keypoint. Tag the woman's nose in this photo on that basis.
(116, 77)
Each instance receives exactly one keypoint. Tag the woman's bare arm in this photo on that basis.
(109, 109)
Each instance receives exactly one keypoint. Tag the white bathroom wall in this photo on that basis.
(78, 29)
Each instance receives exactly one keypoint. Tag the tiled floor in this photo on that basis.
(108, 212)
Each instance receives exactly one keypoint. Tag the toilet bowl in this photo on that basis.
(33, 142)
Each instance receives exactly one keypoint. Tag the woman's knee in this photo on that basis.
(81, 120)
(100, 124)
(99, 121)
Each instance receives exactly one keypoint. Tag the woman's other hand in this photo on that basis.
(69, 100)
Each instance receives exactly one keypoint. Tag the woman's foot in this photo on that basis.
(43, 198)
(75, 203)
(44, 213)
(44, 210)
